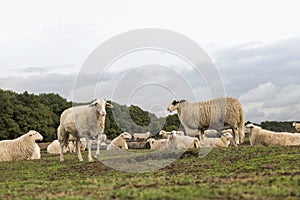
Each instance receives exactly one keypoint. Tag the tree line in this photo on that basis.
(20, 113)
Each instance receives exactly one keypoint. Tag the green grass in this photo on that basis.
(234, 173)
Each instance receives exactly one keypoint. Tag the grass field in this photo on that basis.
(234, 173)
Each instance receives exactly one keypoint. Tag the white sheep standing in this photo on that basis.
(86, 121)
(177, 132)
(119, 142)
(157, 144)
(259, 136)
(21, 148)
(217, 112)
(141, 136)
(223, 141)
(297, 126)
(164, 134)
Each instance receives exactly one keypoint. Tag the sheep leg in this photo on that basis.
(98, 147)
(61, 157)
(78, 149)
(200, 134)
(236, 137)
(241, 133)
(89, 144)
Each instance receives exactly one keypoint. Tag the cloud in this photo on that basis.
(271, 102)
(264, 76)
(41, 83)
(246, 66)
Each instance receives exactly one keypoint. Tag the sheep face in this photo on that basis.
(100, 106)
(34, 135)
(173, 106)
(228, 136)
(126, 135)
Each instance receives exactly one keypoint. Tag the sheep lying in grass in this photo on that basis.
(183, 142)
(141, 136)
(297, 126)
(54, 147)
(119, 142)
(157, 144)
(217, 112)
(259, 136)
(21, 148)
(223, 141)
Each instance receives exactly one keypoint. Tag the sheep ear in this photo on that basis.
(108, 105)
(93, 104)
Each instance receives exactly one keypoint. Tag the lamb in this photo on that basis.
(177, 132)
(21, 148)
(297, 126)
(119, 142)
(259, 136)
(164, 134)
(54, 147)
(87, 121)
(183, 141)
(223, 141)
(213, 113)
(141, 136)
(157, 144)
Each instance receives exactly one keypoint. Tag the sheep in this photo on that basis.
(177, 132)
(119, 142)
(141, 136)
(157, 144)
(21, 148)
(217, 112)
(54, 147)
(86, 121)
(164, 134)
(223, 141)
(259, 136)
(297, 126)
(183, 141)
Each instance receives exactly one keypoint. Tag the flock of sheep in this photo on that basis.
(82, 124)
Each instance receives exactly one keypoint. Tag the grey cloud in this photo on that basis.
(246, 66)
(49, 82)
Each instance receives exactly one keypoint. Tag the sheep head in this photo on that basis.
(34, 135)
(173, 106)
(126, 135)
(227, 135)
(100, 106)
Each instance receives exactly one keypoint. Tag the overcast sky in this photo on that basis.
(255, 46)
